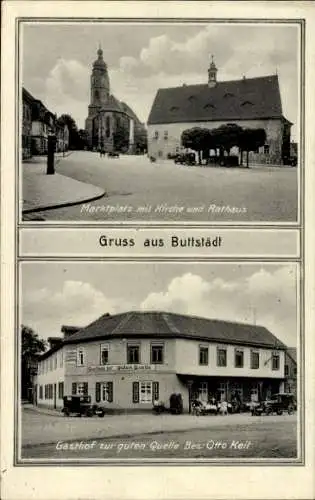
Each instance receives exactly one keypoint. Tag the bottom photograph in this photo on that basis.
(158, 362)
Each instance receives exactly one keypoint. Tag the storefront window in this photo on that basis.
(203, 391)
(157, 353)
(221, 357)
(133, 354)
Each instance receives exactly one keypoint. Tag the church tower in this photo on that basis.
(99, 91)
(212, 74)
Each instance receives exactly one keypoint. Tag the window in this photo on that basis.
(203, 355)
(60, 390)
(157, 354)
(203, 391)
(295, 371)
(209, 105)
(286, 370)
(239, 358)
(80, 356)
(96, 94)
(104, 354)
(266, 149)
(55, 361)
(61, 358)
(156, 135)
(107, 126)
(40, 392)
(221, 356)
(145, 392)
(254, 360)
(133, 354)
(107, 392)
(275, 361)
(79, 389)
(165, 135)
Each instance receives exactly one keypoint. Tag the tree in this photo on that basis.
(227, 136)
(250, 140)
(197, 139)
(74, 139)
(31, 347)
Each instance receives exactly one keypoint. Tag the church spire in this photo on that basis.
(212, 73)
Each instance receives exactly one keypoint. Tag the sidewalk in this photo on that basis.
(42, 192)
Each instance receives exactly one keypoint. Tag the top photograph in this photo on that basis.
(160, 122)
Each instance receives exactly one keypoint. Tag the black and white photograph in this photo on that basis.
(159, 362)
(160, 121)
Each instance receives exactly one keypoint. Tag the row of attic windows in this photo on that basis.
(210, 104)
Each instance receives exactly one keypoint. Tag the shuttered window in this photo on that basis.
(145, 392)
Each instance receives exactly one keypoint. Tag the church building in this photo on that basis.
(110, 124)
(247, 102)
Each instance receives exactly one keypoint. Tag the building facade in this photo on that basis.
(126, 361)
(290, 371)
(248, 103)
(111, 125)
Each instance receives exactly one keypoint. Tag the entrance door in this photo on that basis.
(55, 396)
(222, 391)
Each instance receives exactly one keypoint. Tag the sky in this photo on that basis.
(57, 60)
(69, 293)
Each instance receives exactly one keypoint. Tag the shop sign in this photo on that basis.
(120, 368)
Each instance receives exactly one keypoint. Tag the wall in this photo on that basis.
(51, 371)
(187, 361)
(161, 147)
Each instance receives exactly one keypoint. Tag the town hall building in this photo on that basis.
(111, 124)
(247, 102)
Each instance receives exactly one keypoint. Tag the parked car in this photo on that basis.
(278, 403)
(185, 159)
(113, 154)
(81, 406)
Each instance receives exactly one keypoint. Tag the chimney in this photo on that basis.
(69, 330)
(54, 342)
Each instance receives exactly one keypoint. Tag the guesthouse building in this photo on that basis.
(126, 361)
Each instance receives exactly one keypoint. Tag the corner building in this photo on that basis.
(127, 360)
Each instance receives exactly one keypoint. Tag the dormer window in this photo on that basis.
(228, 94)
(209, 105)
(174, 108)
(247, 103)
(191, 98)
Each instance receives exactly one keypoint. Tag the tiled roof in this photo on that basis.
(246, 99)
(170, 325)
(291, 351)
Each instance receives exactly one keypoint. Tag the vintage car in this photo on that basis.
(277, 403)
(185, 159)
(81, 406)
